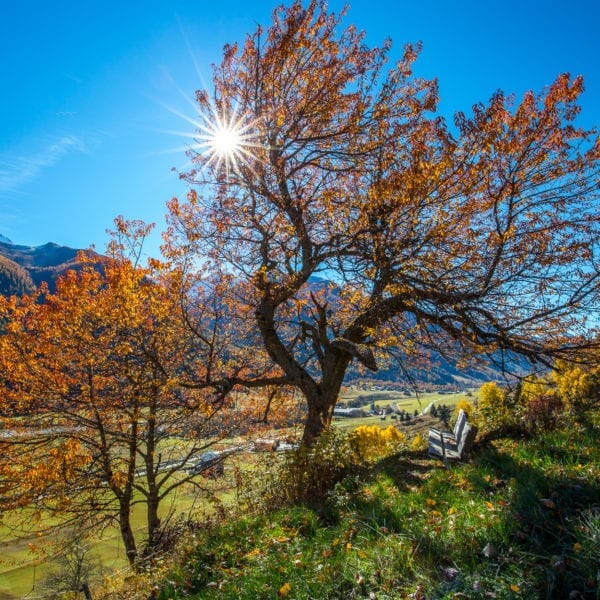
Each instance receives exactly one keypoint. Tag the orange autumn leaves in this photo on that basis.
(99, 378)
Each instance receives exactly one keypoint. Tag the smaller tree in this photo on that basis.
(444, 413)
(93, 371)
(73, 567)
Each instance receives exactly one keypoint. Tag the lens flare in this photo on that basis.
(227, 141)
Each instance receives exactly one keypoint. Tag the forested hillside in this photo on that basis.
(14, 279)
(23, 268)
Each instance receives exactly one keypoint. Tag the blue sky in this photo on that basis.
(89, 88)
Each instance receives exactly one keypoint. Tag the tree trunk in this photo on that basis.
(317, 420)
(321, 405)
(322, 396)
(154, 531)
(127, 534)
(152, 498)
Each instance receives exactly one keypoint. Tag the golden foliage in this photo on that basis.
(418, 443)
(371, 442)
(465, 405)
(492, 406)
(573, 382)
(534, 387)
(93, 372)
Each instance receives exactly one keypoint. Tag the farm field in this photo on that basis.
(407, 402)
(22, 570)
(384, 398)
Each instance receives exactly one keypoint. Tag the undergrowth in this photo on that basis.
(521, 519)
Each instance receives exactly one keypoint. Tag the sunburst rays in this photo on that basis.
(228, 142)
(223, 142)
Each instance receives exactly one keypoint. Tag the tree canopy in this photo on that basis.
(346, 221)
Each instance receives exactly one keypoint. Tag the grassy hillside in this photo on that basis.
(521, 519)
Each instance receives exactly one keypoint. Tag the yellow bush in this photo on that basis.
(418, 443)
(493, 407)
(370, 441)
(573, 384)
(466, 406)
(535, 387)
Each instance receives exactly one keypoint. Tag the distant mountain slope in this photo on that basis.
(22, 268)
(14, 279)
(441, 371)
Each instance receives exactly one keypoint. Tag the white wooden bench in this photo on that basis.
(453, 445)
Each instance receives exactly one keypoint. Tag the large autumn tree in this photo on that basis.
(349, 219)
(94, 419)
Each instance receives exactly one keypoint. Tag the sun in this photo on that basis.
(226, 141)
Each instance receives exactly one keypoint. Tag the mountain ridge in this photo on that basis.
(45, 263)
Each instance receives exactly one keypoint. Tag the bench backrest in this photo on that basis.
(461, 422)
(466, 439)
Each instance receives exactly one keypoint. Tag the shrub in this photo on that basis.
(418, 444)
(542, 413)
(372, 442)
(573, 383)
(534, 387)
(73, 567)
(493, 409)
(466, 406)
(304, 476)
(444, 413)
